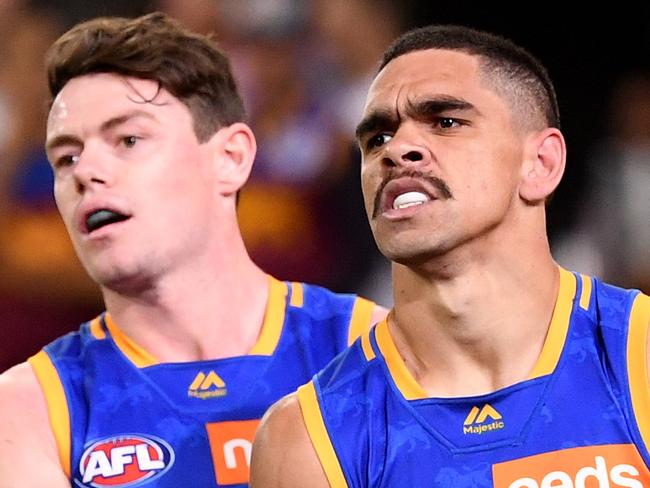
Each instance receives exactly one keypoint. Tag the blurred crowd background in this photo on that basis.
(303, 68)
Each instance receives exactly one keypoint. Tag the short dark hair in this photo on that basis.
(516, 70)
(154, 47)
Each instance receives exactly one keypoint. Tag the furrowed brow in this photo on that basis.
(431, 108)
(374, 122)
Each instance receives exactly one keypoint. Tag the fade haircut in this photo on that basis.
(510, 70)
(152, 47)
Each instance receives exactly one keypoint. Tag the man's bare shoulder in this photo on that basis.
(28, 453)
(283, 455)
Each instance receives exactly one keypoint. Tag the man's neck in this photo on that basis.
(207, 312)
(475, 331)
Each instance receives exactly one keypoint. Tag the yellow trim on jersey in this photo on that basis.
(360, 319)
(320, 439)
(559, 327)
(273, 320)
(297, 295)
(130, 349)
(57, 405)
(399, 372)
(96, 328)
(585, 296)
(637, 363)
(368, 351)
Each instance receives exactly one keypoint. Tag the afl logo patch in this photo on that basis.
(124, 460)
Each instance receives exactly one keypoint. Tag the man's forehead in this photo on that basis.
(425, 72)
(102, 94)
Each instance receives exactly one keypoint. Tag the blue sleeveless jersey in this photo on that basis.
(122, 419)
(581, 420)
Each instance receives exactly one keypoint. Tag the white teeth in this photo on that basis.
(409, 199)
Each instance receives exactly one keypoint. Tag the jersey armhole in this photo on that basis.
(57, 405)
(317, 431)
(637, 364)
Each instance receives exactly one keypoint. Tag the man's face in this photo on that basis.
(134, 186)
(441, 158)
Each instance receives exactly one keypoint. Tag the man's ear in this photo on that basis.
(545, 159)
(234, 153)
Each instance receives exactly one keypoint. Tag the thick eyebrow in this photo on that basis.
(429, 109)
(376, 120)
(421, 110)
(70, 140)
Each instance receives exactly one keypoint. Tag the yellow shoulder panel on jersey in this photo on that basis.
(585, 295)
(402, 377)
(57, 405)
(559, 327)
(273, 319)
(96, 328)
(134, 352)
(318, 434)
(360, 319)
(366, 346)
(637, 363)
(297, 295)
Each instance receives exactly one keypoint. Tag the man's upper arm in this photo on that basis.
(28, 453)
(283, 455)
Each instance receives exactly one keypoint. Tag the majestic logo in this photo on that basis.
(231, 444)
(477, 420)
(124, 460)
(605, 466)
(207, 386)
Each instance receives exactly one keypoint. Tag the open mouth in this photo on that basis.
(400, 192)
(103, 217)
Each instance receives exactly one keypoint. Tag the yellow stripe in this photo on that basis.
(319, 437)
(96, 328)
(637, 363)
(273, 320)
(131, 350)
(585, 296)
(398, 370)
(368, 351)
(57, 405)
(360, 319)
(297, 295)
(557, 331)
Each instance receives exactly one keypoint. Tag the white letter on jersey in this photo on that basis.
(619, 470)
(524, 483)
(229, 451)
(145, 463)
(551, 479)
(98, 464)
(119, 457)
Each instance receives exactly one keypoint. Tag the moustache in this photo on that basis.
(444, 193)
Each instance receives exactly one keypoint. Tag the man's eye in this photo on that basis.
(129, 141)
(67, 160)
(447, 122)
(378, 140)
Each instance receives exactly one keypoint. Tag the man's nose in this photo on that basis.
(91, 168)
(406, 149)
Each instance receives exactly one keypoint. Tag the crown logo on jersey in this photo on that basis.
(207, 386)
(481, 420)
